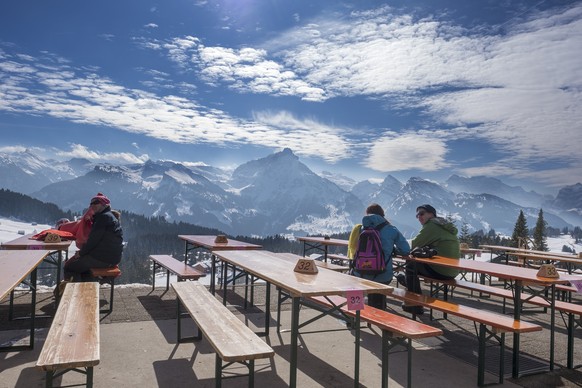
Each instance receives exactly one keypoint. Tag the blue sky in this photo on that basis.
(364, 88)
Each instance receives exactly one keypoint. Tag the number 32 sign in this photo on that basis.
(355, 299)
(306, 266)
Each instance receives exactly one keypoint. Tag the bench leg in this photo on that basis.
(154, 276)
(481, 360)
(389, 342)
(179, 315)
(218, 371)
(49, 379)
(251, 366)
(90, 377)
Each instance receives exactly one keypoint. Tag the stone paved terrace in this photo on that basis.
(138, 348)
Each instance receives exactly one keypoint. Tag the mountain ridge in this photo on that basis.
(278, 194)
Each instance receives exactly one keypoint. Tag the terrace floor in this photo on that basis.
(139, 349)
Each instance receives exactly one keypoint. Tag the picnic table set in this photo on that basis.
(321, 284)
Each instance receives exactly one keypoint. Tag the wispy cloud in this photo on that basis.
(80, 151)
(85, 97)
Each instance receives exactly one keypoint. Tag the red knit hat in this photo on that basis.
(103, 200)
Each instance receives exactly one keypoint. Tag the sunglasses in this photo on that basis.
(95, 203)
(420, 214)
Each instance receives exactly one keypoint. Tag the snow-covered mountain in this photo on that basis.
(483, 184)
(286, 196)
(25, 172)
(278, 195)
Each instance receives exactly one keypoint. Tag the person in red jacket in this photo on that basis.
(104, 245)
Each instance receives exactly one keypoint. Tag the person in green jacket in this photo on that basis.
(436, 233)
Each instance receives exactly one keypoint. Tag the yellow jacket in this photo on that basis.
(353, 241)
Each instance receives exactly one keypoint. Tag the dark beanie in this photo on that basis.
(427, 208)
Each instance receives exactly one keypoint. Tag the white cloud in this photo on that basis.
(89, 99)
(400, 152)
(80, 151)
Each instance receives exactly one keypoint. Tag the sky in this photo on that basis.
(364, 88)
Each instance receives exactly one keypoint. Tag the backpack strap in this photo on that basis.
(380, 226)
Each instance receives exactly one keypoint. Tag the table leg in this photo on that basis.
(212, 274)
(516, 315)
(294, 337)
(357, 352)
(267, 307)
(552, 324)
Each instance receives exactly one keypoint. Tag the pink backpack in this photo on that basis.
(369, 258)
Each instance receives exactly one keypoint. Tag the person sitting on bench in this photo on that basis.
(436, 233)
(104, 245)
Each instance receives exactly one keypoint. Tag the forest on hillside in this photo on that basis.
(143, 236)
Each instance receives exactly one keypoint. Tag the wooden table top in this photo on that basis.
(280, 272)
(324, 241)
(512, 250)
(16, 265)
(207, 241)
(539, 256)
(25, 242)
(499, 270)
(292, 257)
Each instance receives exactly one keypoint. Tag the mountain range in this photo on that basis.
(280, 195)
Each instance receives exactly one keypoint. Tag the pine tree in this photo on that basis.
(520, 233)
(539, 234)
(465, 236)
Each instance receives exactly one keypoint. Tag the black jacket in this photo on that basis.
(105, 242)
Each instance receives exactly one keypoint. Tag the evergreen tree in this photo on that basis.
(540, 242)
(465, 236)
(520, 233)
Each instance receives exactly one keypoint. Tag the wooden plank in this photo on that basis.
(177, 267)
(505, 293)
(16, 266)
(320, 264)
(281, 274)
(498, 321)
(208, 242)
(228, 335)
(396, 324)
(73, 339)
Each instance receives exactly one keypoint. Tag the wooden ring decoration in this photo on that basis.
(221, 239)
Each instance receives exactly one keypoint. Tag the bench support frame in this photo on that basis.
(51, 375)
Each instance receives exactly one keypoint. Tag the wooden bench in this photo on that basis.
(181, 269)
(570, 309)
(232, 341)
(500, 324)
(342, 259)
(396, 330)
(73, 338)
(107, 276)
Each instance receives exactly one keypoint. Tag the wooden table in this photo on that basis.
(25, 242)
(292, 257)
(15, 268)
(208, 242)
(506, 251)
(280, 272)
(517, 276)
(321, 244)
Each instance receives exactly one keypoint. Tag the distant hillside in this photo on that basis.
(144, 236)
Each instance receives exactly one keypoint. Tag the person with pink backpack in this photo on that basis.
(377, 241)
